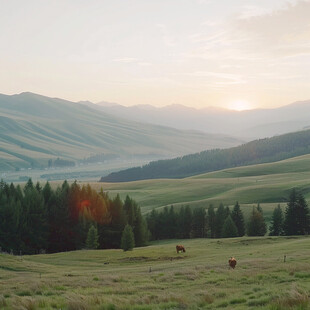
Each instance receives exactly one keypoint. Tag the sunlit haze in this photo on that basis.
(239, 54)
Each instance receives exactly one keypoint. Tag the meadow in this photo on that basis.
(156, 277)
(268, 184)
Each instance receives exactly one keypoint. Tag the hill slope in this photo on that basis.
(268, 184)
(35, 128)
(259, 151)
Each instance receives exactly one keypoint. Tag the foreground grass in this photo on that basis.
(155, 277)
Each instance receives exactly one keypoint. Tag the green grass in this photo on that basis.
(269, 184)
(156, 277)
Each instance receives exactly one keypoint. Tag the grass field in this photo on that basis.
(268, 184)
(156, 277)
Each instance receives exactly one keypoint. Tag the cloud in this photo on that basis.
(125, 60)
(220, 78)
(257, 33)
(284, 32)
(168, 39)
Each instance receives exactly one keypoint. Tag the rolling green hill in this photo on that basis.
(267, 184)
(35, 128)
(254, 152)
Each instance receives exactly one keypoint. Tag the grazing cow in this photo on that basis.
(232, 262)
(180, 248)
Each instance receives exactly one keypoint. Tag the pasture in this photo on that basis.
(156, 277)
(268, 184)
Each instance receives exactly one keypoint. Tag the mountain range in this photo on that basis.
(35, 129)
(247, 125)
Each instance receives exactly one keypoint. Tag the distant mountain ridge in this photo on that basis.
(36, 128)
(249, 124)
(258, 151)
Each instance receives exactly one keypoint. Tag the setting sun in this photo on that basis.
(240, 105)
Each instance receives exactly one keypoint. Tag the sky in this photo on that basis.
(238, 54)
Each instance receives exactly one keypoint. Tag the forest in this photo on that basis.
(36, 219)
(39, 219)
(221, 222)
(255, 152)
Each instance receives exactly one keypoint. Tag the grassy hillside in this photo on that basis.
(258, 151)
(156, 277)
(35, 128)
(268, 184)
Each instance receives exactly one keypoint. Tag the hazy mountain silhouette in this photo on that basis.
(35, 128)
(250, 124)
(254, 152)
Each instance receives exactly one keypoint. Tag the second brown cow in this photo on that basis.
(180, 248)
(232, 262)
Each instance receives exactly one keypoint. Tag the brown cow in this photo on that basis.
(232, 262)
(180, 248)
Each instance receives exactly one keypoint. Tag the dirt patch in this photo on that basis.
(150, 259)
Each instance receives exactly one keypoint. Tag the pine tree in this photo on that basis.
(229, 229)
(297, 218)
(129, 209)
(28, 185)
(153, 224)
(128, 240)
(259, 208)
(237, 217)
(220, 217)
(140, 230)
(198, 223)
(276, 227)
(34, 219)
(92, 238)
(256, 225)
(184, 222)
(211, 221)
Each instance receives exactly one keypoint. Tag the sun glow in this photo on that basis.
(240, 105)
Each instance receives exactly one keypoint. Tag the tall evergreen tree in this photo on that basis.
(129, 209)
(276, 227)
(28, 185)
(185, 222)
(220, 217)
(140, 229)
(198, 223)
(211, 221)
(297, 217)
(62, 234)
(259, 208)
(153, 224)
(34, 228)
(128, 240)
(229, 229)
(256, 225)
(237, 217)
(92, 238)
(172, 223)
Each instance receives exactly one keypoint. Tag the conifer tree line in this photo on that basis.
(221, 222)
(71, 217)
(197, 223)
(35, 219)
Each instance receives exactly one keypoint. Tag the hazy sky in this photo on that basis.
(225, 53)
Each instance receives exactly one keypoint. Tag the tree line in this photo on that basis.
(255, 152)
(221, 222)
(71, 217)
(36, 219)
